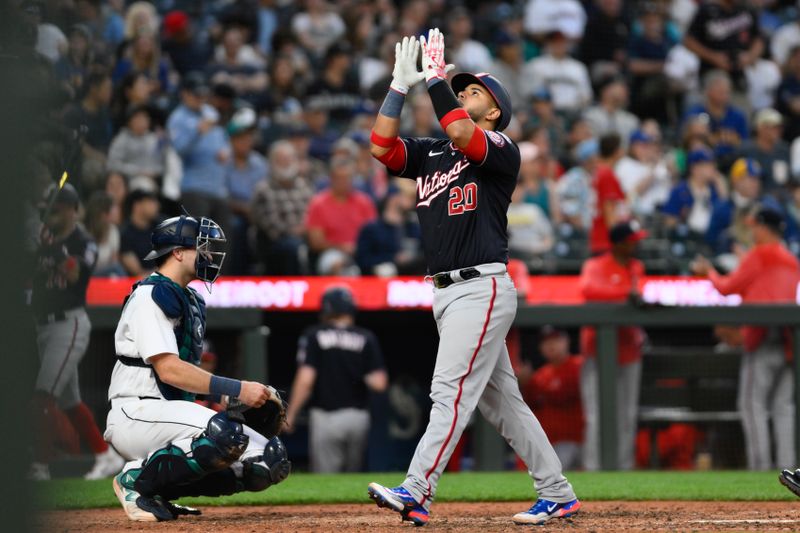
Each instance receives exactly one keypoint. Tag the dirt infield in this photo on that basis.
(450, 517)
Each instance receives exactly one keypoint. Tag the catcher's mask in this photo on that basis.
(184, 231)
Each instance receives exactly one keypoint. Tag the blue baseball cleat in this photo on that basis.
(398, 500)
(543, 510)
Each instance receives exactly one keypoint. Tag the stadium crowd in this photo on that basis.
(683, 114)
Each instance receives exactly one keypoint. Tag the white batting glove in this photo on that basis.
(405, 73)
(433, 64)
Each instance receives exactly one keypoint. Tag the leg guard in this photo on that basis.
(217, 448)
(263, 471)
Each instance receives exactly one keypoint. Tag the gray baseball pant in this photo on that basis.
(338, 439)
(473, 370)
(766, 389)
(62, 345)
(629, 379)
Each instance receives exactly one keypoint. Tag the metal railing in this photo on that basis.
(608, 317)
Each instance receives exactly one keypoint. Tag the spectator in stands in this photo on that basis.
(137, 152)
(696, 135)
(729, 230)
(391, 244)
(334, 218)
(50, 40)
(337, 88)
(530, 233)
(725, 36)
(788, 98)
(141, 217)
(321, 137)
(768, 273)
(105, 234)
(613, 277)
(238, 65)
(643, 175)
(73, 66)
(185, 51)
(203, 146)
(545, 16)
(574, 189)
(140, 16)
(784, 41)
(603, 48)
(93, 112)
(691, 201)
(554, 394)
(135, 90)
(246, 169)
(610, 205)
(507, 66)
(318, 27)
(566, 78)
(285, 93)
(277, 210)
(771, 152)
(466, 53)
(116, 186)
(543, 115)
(609, 115)
(534, 185)
(647, 56)
(143, 55)
(728, 124)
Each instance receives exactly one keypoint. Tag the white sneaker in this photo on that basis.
(127, 497)
(39, 472)
(106, 464)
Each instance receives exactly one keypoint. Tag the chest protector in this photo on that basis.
(189, 309)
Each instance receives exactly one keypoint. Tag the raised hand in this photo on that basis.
(405, 73)
(433, 63)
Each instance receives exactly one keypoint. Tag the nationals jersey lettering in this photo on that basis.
(462, 204)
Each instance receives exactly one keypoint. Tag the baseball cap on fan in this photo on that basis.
(629, 231)
(495, 88)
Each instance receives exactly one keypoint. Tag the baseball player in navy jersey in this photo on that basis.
(174, 446)
(464, 186)
(65, 259)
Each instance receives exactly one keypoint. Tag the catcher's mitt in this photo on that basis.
(268, 419)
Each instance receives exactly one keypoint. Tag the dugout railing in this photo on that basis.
(608, 317)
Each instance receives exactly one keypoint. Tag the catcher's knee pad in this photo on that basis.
(217, 448)
(270, 468)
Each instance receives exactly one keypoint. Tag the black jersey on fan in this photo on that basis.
(341, 356)
(51, 291)
(462, 204)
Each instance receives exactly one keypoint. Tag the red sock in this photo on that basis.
(83, 420)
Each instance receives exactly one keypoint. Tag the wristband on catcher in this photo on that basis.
(393, 103)
(225, 386)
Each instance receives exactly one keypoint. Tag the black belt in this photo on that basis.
(52, 318)
(133, 361)
(443, 279)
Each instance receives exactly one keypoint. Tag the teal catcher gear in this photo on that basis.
(184, 231)
(189, 308)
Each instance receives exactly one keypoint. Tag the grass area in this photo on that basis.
(304, 488)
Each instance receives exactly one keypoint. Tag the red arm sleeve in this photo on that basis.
(738, 280)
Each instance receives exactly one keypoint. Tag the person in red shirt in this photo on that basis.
(768, 273)
(610, 205)
(553, 392)
(613, 277)
(334, 218)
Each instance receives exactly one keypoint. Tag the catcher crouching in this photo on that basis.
(175, 447)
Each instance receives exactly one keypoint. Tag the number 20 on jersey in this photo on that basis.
(462, 199)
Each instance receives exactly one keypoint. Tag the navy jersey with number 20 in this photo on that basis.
(462, 204)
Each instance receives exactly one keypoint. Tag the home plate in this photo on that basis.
(747, 521)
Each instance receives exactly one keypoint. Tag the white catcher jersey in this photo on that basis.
(143, 331)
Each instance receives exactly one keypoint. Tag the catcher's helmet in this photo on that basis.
(338, 301)
(188, 232)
